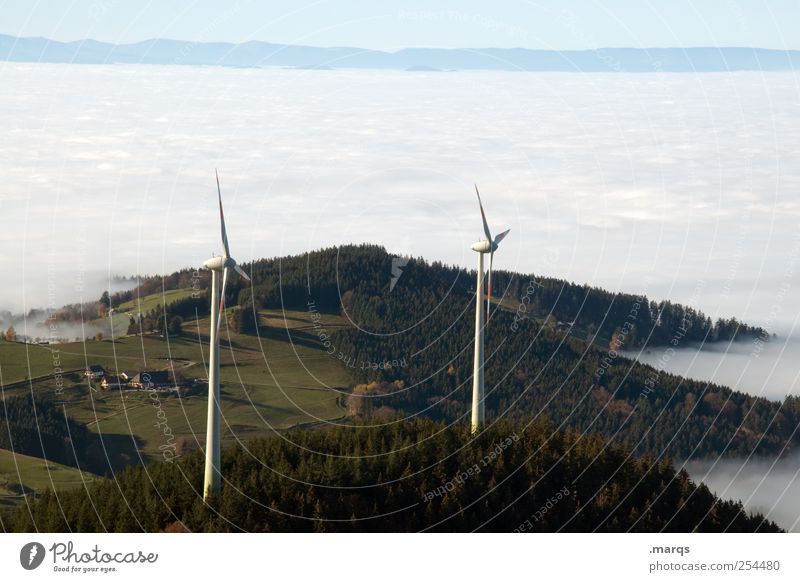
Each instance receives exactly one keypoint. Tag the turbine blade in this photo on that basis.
(501, 236)
(222, 220)
(242, 273)
(489, 287)
(483, 216)
(222, 299)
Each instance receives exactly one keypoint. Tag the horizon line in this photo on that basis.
(412, 47)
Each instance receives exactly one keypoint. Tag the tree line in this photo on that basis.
(401, 477)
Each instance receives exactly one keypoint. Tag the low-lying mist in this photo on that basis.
(45, 298)
(768, 486)
(769, 369)
(51, 289)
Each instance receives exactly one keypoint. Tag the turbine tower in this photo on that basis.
(482, 247)
(218, 266)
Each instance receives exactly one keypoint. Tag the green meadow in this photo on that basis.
(269, 383)
(23, 474)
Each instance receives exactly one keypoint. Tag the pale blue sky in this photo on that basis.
(381, 24)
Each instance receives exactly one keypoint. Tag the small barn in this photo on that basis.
(151, 379)
(110, 382)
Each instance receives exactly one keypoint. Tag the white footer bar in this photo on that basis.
(399, 557)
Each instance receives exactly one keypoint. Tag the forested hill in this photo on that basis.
(406, 476)
(339, 276)
(409, 349)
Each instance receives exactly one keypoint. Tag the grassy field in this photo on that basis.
(118, 323)
(273, 382)
(20, 473)
(23, 361)
(286, 318)
(148, 302)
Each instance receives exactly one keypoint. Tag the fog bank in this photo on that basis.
(766, 486)
(771, 370)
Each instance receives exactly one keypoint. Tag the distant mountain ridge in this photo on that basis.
(265, 54)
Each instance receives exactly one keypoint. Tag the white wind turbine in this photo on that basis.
(217, 265)
(482, 247)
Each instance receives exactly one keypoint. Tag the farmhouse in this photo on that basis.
(94, 372)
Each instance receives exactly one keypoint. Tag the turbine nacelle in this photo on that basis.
(219, 263)
(484, 246)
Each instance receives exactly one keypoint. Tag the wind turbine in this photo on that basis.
(483, 246)
(218, 266)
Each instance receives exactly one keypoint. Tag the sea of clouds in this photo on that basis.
(640, 182)
(681, 186)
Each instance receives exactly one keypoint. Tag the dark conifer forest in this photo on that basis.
(37, 427)
(437, 478)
